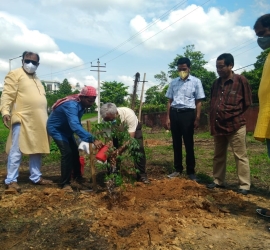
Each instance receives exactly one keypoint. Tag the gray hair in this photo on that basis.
(108, 108)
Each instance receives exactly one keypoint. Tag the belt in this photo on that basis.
(182, 110)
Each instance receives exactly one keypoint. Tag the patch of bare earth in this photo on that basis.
(166, 214)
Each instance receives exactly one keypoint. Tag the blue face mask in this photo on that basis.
(264, 42)
(113, 122)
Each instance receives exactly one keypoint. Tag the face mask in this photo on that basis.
(183, 74)
(29, 68)
(264, 42)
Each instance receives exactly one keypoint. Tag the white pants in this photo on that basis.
(15, 157)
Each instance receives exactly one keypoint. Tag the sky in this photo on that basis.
(126, 36)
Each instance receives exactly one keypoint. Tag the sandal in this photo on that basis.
(263, 212)
(43, 182)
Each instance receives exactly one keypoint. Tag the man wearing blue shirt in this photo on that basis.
(64, 121)
(183, 115)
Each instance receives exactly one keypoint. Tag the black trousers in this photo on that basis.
(70, 161)
(140, 162)
(182, 126)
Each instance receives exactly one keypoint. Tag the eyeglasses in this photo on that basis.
(220, 66)
(31, 61)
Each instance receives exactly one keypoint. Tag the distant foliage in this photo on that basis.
(254, 75)
(114, 92)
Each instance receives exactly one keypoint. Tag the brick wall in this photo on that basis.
(159, 119)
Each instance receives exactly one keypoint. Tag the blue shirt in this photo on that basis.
(65, 120)
(183, 93)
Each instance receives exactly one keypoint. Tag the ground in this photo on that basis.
(166, 214)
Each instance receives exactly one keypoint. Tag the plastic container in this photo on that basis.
(82, 161)
(101, 155)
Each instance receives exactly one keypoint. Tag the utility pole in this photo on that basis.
(133, 100)
(98, 70)
(141, 101)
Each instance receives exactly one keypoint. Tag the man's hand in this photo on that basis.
(196, 123)
(98, 144)
(6, 121)
(168, 123)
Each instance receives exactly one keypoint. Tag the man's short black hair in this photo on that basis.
(227, 57)
(264, 21)
(184, 60)
(29, 53)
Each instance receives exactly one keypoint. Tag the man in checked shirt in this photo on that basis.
(230, 98)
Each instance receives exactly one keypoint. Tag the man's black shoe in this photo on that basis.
(242, 191)
(214, 185)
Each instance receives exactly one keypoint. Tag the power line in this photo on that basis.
(129, 39)
(247, 50)
(62, 71)
(158, 32)
(144, 29)
(141, 31)
(241, 44)
(244, 67)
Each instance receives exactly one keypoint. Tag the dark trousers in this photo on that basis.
(182, 126)
(70, 162)
(140, 162)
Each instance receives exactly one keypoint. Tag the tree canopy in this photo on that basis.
(254, 75)
(113, 92)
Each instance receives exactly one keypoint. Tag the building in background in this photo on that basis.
(51, 85)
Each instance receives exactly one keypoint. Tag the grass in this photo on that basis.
(160, 157)
(89, 115)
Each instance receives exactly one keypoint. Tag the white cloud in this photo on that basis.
(16, 37)
(59, 59)
(262, 4)
(128, 81)
(209, 31)
(67, 33)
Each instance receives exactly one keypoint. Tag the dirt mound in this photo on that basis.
(167, 214)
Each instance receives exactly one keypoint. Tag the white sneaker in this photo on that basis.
(174, 174)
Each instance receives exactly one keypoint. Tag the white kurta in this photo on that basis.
(23, 98)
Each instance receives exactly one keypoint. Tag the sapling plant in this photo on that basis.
(123, 149)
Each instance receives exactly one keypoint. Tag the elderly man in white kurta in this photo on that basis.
(24, 111)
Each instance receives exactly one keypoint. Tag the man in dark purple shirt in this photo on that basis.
(230, 98)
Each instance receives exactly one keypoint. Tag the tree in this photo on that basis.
(197, 68)
(254, 75)
(156, 95)
(113, 92)
(65, 88)
(162, 78)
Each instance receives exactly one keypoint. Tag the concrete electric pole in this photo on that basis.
(141, 101)
(98, 70)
